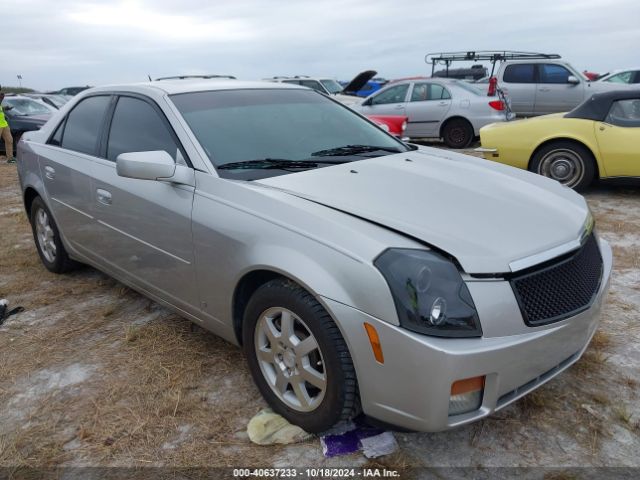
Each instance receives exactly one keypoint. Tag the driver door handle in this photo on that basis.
(545, 89)
(398, 107)
(103, 196)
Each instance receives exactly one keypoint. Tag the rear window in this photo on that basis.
(468, 87)
(519, 73)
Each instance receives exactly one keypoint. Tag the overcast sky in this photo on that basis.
(57, 43)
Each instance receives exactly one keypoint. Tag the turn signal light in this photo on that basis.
(374, 340)
(466, 395)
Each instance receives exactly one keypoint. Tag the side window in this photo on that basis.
(429, 91)
(519, 73)
(624, 77)
(56, 138)
(395, 94)
(550, 73)
(420, 92)
(83, 125)
(625, 113)
(438, 92)
(137, 127)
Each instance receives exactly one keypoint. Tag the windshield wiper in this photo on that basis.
(353, 150)
(267, 163)
(278, 164)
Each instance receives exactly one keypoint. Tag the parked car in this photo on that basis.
(23, 114)
(437, 108)
(52, 100)
(394, 124)
(631, 75)
(346, 94)
(598, 139)
(424, 288)
(539, 87)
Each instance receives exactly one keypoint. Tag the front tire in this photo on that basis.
(569, 163)
(298, 358)
(457, 133)
(47, 238)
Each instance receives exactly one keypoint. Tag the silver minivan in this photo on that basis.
(423, 288)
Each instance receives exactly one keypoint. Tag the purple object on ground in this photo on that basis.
(347, 442)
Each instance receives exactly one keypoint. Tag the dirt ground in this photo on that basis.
(95, 374)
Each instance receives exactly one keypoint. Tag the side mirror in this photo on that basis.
(573, 80)
(155, 165)
(368, 102)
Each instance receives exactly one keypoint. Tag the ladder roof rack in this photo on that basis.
(493, 56)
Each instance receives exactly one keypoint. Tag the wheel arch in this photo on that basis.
(29, 196)
(569, 139)
(250, 281)
(455, 117)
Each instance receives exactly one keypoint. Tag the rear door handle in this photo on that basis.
(545, 89)
(398, 107)
(49, 172)
(443, 104)
(103, 196)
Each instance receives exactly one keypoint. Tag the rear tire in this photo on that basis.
(457, 133)
(306, 375)
(47, 238)
(567, 162)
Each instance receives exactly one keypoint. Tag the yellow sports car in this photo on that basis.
(600, 138)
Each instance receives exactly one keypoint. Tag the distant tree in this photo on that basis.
(17, 89)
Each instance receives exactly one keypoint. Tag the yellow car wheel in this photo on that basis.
(569, 163)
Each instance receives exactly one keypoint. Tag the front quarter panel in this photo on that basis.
(239, 228)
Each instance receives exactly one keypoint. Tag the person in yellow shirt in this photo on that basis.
(5, 133)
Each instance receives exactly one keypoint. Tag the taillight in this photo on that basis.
(493, 84)
(404, 126)
(497, 105)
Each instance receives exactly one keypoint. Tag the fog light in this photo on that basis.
(466, 395)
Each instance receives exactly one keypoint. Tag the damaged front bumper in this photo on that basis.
(412, 388)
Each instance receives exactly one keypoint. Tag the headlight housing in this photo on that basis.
(429, 293)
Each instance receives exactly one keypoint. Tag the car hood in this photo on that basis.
(358, 82)
(486, 215)
(37, 119)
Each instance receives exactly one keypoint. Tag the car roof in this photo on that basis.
(445, 80)
(597, 106)
(171, 87)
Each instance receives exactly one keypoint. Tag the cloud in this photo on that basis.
(69, 42)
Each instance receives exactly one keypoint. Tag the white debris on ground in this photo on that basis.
(269, 428)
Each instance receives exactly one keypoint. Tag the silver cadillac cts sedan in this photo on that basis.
(424, 288)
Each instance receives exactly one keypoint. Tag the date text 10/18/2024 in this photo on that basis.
(315, 473)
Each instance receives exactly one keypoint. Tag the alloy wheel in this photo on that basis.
(290, 359)
(45, 236)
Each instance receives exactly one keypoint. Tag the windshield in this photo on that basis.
(288, 125)
(331, 85)
(57, 100)
(467, 86)
(26, 106)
